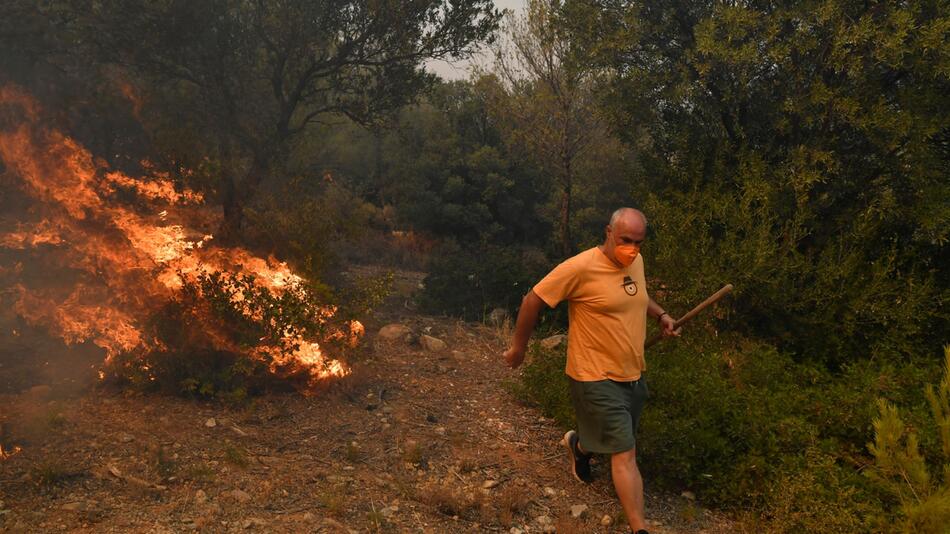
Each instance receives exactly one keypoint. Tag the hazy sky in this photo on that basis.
(459, 69)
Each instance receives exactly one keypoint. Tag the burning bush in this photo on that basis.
(226, 335)
(129, 265)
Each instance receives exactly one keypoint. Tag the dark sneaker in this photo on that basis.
(580, 463)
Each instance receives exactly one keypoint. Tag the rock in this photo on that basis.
(688, 495)
(239, 496)
(549, 491)
(578, 510)
(553, 341)
(543, 520)
(73, 506)
(211, 423)
(432, 344)
(125, 438)
(489, 484)
(606, 520)
(394, 332)
(497, 316)
(515, 530)
(201, 497)
(389, 511)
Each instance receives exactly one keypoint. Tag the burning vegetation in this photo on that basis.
(130, 265)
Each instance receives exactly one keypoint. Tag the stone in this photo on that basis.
(73, 506)
(553, 341)
(606, 520)
(432, 344)
(515, 530)
(549, 491)
(489, 484)
(394, 332)
(240, 496)
(497, 316)
(126, 438)
(689, 495)
(201, 497)
(578, 510)
(211, 423)
(389, 511)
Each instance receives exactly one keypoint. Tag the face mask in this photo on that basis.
(625, 254)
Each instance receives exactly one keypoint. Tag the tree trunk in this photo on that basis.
(567, 244)
(231, 204)
(237, 192)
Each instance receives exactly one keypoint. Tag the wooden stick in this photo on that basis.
(726, 289)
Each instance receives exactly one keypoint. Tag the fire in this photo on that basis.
(6, 454)
(130, 257)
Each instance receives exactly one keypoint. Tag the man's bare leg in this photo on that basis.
(629, 486)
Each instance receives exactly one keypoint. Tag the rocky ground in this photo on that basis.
(422, 437)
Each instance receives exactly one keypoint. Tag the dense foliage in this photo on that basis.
(796, 149)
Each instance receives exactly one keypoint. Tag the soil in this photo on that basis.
(413, 440)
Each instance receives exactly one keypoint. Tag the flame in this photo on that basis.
(7, 454)
(129, 258)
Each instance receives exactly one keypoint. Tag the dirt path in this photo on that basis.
(414, 441)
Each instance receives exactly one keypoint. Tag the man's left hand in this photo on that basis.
(666, 324)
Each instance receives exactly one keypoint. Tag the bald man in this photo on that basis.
(608, 305)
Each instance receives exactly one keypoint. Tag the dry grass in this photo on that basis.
(413, 453)
(568, 525)
(236, 456)
(352, 452)
(451, 501)
(333, 500)
(509, 502)
(161, 462)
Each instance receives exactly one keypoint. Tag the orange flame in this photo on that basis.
(132, 258)
(7, 454)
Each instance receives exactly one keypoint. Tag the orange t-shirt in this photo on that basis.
(607, 314)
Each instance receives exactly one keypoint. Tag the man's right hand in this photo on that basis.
(514, 356)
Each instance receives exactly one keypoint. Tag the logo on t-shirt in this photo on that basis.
(629, 285)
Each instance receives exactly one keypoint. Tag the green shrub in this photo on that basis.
(470, 282)
(544, 383)
(820, 497)
(746, 427)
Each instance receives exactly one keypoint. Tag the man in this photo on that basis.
(608, 306)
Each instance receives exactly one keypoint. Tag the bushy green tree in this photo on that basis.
(796, 149)
(448, 173)
(544, 102)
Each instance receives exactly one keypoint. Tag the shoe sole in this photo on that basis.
(566, 442)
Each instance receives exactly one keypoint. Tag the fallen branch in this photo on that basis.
(114, 471)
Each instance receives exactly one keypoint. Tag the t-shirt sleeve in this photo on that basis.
(560, 283)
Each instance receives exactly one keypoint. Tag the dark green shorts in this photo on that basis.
(608, 413)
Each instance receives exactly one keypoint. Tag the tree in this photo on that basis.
(547, 101)
(258, 74)
(796, 149)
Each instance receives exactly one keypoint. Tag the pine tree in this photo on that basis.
(902, 472)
